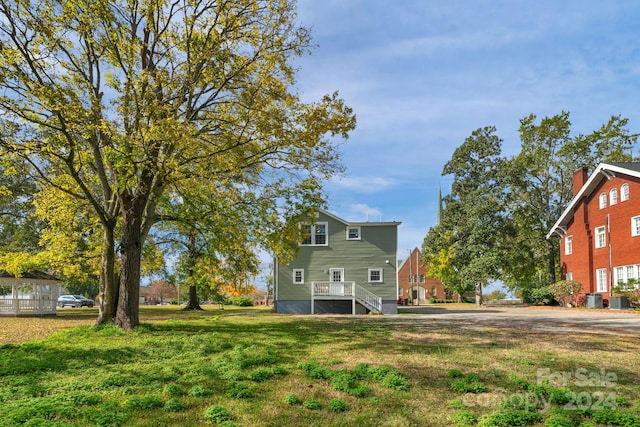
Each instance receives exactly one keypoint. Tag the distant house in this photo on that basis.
(413, 283)
(341, 267)
(600, 229)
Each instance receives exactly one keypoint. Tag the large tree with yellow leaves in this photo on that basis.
(114, 102)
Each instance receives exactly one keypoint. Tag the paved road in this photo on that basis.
(615, 322)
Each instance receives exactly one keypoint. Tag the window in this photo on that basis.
(568, 276)
(315, 234)
(619, 272)
(631, 272)
(635, 226)
(422, 278)
(601, 240)
(353, 233)
(603, 200)
(568, 245)
(298, 276)
(601, 280)
(400, 291)
(613, 196)
(624, 192)
(336, 275)
(434, 292)
(375, 275)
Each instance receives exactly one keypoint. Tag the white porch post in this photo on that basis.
(14, 296)
(353, 297)
(312, 298)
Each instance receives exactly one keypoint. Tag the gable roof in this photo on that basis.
(406, 260)
(357, 224)
(33, 274)
(602, 172)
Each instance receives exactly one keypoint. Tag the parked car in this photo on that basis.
(74, 301)
(86, 302)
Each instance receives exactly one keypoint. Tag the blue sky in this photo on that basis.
(421, 75)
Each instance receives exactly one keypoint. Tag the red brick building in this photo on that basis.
(600, 229)
(413, 283)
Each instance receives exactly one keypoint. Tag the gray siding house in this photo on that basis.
(341, 267)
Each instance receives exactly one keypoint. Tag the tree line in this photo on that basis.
(494, 222)
(130, 130)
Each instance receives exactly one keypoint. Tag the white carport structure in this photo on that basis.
(34, 294)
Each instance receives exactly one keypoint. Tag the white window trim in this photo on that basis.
(634, 228)
(336, 270)
(601, 280)
(313, 234)
(603, 200)
(624, 192)
(569, 276)
(613, 196)
(568, 245)
(301, 270)
(359, 233)
(380, 270)
(600, 231)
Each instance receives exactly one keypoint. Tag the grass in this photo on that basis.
(248, 367)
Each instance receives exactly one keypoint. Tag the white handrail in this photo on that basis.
(348, 289)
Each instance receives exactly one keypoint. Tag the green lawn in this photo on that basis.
(248, 367)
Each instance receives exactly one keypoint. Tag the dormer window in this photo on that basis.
(603, 200)
(624, 192)
(613, 196)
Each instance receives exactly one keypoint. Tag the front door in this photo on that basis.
(337, 281)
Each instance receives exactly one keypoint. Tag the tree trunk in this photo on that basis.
(127, 314)
(478, 293)
(193, 303)
(552, 261)
(107, 301)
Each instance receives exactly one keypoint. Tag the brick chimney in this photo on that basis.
(579, 179)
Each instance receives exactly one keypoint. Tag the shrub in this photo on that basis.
(173, 390)
(338, 405)
(174, 405)
(107, 415)
(240, 391)
(558, 421)
(465, 418)
(508, 417)
(455, 373)
(343, 380)
(395, 381)
(312, 404)
(292, 400)
(613, 416)
(261, 374)
(241, 301)
(537, 295)
(566, 291)
(315, 370)
(561, 395)
(217, 414)
(469, 383)
(148, 401)
(199, 391)
(519, 382)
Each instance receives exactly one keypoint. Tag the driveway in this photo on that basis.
(555, 319)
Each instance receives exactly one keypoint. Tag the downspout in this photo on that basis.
(610, 257)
